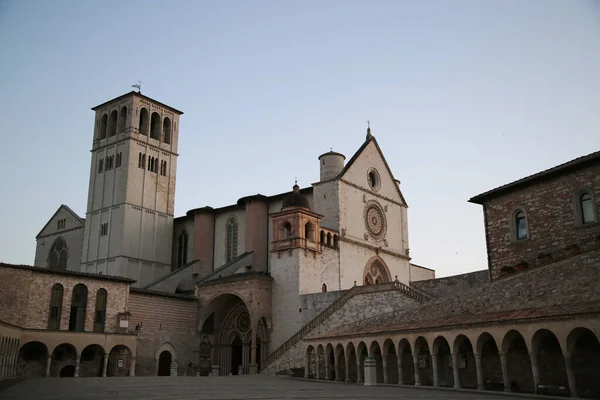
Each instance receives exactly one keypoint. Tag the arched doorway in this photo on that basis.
(32, 360)
(164, 364)
(119, 361)
(63, 355)
(67, 371)
(92, 361)
(230, 334)
(237, 356)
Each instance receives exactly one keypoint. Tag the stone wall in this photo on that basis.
(312, 304)
(165, 319)
(442, 287)
(25, 297)
(358, 307)
(550, 212)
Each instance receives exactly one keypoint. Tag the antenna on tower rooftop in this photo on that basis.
(138, 86)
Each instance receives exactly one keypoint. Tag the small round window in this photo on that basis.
(373, 179)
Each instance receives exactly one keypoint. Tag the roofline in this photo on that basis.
(162, 294)
(420, 266)
(82, 220)
(332, 153)
(133, 92)
(572, 165)
(69, 273)
(240, 203)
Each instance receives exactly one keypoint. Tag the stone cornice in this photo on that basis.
(370, 192)
(131, 205)
(129, 258)
(61, 232)
(374, 247)
(97, 147)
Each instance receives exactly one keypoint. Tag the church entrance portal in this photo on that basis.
(164, 364)
(229, 326)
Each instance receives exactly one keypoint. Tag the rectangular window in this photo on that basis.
(61, 224)
(100, 165)
(104, 229)
(119, 159)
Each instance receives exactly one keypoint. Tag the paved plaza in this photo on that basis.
(214, 388)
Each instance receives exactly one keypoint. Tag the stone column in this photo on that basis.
(347, 366)
(386, 376)
(76, 374)
(306, 365)
(571, 375)
(48, 363)
(105, 366)
(416, 365)
(455, 371)
(535, 370)
(359, 371)
(434, 366)
(336, 366)
(505, 376)
(253, 367)
(480, 385)
(132, 367)
(370, 371)
(317, 372)
(400, 377)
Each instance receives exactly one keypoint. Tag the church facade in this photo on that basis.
(258, 269)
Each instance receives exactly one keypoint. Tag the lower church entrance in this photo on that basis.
(164, 364)
(237, 356)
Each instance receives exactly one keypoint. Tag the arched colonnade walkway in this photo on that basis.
(561, 358)
(39, 359)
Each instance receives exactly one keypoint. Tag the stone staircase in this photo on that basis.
(408, 291)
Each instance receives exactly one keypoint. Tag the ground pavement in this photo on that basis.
(248, 387)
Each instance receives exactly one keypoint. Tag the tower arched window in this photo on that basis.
(287, 230)
(78, 308)
(144, 121)
(329, 239)
(103, 126)
(59, 254)
(232, 239)
(122, 120)
(182, 249)
(155, 126)
(167, 130)
(112, 123)
(100, 312)
(322, 237)
(56, 300)
(308, 231)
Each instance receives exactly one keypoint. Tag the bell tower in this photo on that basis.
(131, 197)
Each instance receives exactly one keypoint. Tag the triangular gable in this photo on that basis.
(371, 139)
(66, 208)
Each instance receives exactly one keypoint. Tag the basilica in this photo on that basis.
(316, 282)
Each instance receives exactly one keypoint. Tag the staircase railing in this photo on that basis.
(295, 338)
(411, 292)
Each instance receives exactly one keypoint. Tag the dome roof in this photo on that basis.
(295, 199)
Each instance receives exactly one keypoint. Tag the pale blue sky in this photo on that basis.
(463, 96)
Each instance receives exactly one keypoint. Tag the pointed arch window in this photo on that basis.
(56, 300)
(59, 254)
(287, 230)
(100, 313)
(112, 123)
(182, 249)
(103, 126)
(232, 239)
